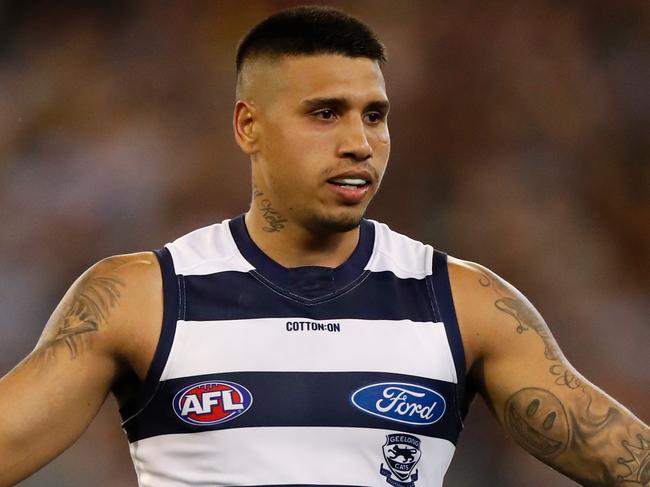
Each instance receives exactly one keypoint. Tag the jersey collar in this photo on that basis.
(309, 282)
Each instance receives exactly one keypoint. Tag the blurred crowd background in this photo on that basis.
(520, 137)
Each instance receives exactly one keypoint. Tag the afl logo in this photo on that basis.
(212, 402)
(404, 403)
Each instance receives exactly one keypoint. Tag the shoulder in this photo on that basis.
(122, 296)
(482, 291)
(483, 301)
(121, 278)
(473, 279)
(118, 286)
(127, 265)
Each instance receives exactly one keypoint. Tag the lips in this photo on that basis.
(366, 173)
(350, 193)
(353, 185)
(349, 182)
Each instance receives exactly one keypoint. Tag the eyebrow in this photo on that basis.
(342, 104)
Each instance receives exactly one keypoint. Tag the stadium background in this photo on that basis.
(520, 140)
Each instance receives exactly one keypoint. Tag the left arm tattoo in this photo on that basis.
(576, 439)
(589, 437)
(527, 319)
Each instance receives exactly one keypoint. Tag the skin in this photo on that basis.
(102, 336)
(296, 143)
(103, 331)
(537, 396)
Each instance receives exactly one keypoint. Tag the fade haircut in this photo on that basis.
(310, 30)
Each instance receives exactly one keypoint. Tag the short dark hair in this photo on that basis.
(310, 30)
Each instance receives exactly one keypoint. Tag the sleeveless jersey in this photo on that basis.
(269, 376)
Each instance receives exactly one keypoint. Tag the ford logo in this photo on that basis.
(397, 401)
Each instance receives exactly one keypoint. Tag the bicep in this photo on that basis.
(530, 385)
(52, 395)
(521, 356)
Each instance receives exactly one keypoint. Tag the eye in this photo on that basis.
(325, 114)
(374, 117)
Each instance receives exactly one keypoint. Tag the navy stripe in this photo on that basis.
(237, 295)
(171, 297)
(445, 303)
(298, 399)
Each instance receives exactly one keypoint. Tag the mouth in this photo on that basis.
(351, 190)
(349, 182)
(353, 186)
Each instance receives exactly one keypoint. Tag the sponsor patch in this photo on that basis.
(401, 453)
(212, 402)
(397, 401)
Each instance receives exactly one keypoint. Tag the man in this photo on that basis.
(301, 344)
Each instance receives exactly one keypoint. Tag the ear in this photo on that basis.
(245, 126)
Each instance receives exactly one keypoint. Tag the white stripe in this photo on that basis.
(399, 254)
(207, 250)
(280, 456)
(401, 347)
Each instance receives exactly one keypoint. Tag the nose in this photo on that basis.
(354, 143)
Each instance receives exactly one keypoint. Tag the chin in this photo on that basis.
(339, 223)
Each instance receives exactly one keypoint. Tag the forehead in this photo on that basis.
(332, 75)
(327, 75)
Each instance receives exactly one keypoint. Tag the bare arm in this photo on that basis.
(48, 400)
(541, 401)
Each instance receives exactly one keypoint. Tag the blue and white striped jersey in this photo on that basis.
(268, 376)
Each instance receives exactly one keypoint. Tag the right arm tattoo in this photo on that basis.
(85, 311)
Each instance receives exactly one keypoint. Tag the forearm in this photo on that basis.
(46, 403)
(592, 439)
(26, 441)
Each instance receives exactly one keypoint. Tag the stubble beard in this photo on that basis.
(323, 224)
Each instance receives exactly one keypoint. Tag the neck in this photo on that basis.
(291, 245)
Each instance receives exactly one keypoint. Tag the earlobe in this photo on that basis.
(244, 126)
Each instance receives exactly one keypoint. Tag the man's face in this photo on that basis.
(323, 139)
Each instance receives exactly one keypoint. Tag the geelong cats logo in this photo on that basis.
(402, 453)
(212, 402)
(405, 403)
